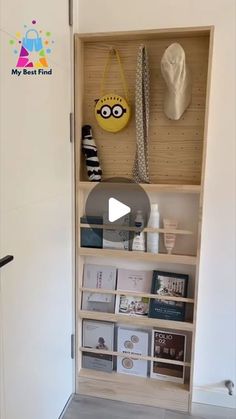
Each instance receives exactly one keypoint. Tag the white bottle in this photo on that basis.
(139, 238)
(154, 222)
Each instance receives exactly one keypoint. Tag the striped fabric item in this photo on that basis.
(90, 151)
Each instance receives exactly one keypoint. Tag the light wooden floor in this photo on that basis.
(82, 407)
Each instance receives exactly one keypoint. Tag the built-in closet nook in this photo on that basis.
(177, 153)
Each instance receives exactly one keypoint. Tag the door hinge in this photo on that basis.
(70, 6)
(72, 350)
(71, 127)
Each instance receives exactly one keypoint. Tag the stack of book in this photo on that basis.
(99, 277)
(168, 346)
(133, 282)
(165, 345)
(107, 239)
(98, 335)
(168, 284)
(105, 336)
(129, 342)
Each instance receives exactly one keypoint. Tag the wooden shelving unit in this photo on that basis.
(127, 388)
(134, 356)
(177, 164)
(136, 229)
(137, 321)
(137, 294)
(150, 187)
(160, 257)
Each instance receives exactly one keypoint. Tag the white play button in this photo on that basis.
(115, 202)
(117, 209)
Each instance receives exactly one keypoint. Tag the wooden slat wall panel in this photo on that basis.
(175, 146)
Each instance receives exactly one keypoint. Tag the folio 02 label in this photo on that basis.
(32, 48)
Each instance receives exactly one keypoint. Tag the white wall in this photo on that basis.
(216, 339)
(36, 218)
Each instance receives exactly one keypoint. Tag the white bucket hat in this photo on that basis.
(178, 80)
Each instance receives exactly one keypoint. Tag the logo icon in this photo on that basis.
(32, 53)
(32, 48)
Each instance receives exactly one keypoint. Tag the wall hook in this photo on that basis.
(112, 50)
(229, 385)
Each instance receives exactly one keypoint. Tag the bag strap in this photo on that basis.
(31, 30)
(114, 52)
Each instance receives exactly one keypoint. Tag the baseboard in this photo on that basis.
(66, 405)
(214, 396)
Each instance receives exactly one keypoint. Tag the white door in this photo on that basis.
(36, 209)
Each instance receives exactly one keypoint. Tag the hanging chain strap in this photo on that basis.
(114, 53)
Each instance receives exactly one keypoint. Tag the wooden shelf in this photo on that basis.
(141, 321)
(134, 356)
(130, 388)
(181, 32)
(141, 256)
(137, 294)
(149, 187)
(135, 229)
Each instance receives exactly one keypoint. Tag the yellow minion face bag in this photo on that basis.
(112, 111)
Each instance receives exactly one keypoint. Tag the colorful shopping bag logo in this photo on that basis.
(34, 43)
(32, 48)
(32, 53)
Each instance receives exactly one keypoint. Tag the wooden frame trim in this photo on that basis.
(145, 34)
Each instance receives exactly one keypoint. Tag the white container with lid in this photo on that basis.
(139, 243)
(153, 222)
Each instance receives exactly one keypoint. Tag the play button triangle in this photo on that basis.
(117, 209)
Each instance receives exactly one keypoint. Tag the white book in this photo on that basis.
(99, 277)
(132, 341)
(98, 335)
(137, 282)
(168, 346)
